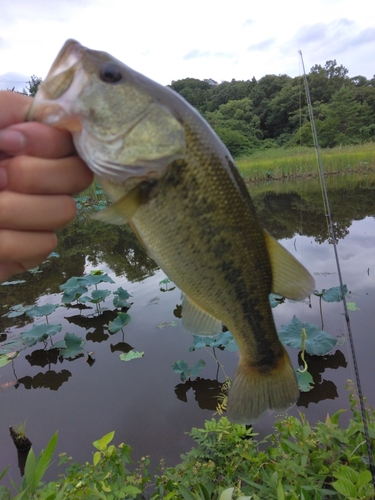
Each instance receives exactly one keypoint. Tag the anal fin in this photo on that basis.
(197, 321)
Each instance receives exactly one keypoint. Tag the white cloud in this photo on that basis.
(203, 40)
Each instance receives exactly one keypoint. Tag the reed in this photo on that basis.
(302, 162)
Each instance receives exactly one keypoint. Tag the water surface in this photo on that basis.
(143, 400)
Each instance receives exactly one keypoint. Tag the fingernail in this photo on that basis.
(12, 141)
(3, 178)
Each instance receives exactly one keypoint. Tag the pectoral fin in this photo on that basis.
(289, 278)
(197, 321)
(122, 210)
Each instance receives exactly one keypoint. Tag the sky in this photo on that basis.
(169, 40)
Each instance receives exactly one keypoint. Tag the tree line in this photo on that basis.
(249, 115)
(272, 111)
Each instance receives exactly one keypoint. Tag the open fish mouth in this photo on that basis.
(53, 103)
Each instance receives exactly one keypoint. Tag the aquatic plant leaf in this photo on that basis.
(305, 381)
(166, 324)
(182, 368)
(12, 345)
(17, 310)
(224, 340)
(7, 358)
(317, 342)
(16, 282)
(44, 310)
(276, 299)
(95, 279)
(165, 281)
(117, 302)
(71, 346)
(352, 306)
(122, 294)
(334, 294)
(83, 299)
(38, 333)
(99, 295)
(73, 289)
(121, 320)
(128, 356)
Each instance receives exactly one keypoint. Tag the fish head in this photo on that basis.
(121, 123)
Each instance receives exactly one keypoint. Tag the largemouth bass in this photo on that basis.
(172, 179)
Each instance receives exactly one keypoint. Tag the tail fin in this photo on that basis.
(253, 392)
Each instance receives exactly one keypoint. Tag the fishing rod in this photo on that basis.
(346, 312)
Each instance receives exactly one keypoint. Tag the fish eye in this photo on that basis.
(110, 73)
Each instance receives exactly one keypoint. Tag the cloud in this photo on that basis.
(263, 45)
(337, 33)
(12, 79)
(195, 54)
(248, 22)
(365, 36)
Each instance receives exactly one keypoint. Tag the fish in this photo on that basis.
(171, 178)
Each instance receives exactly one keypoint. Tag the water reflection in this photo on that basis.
(142, 400)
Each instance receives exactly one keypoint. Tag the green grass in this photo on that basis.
(302, 162)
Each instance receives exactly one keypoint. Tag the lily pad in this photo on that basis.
(17, 310)
(224, 340)
(181, 367)
(44, 310)
(11, 345)
(39, 333)
(305, 381)
(334, 294)
(122, 294)
(71, 346)
(121, 320)
(317, 341)
(95, 279)
(117, 302)
(276, 300)
(7, 358)
(128, 356)
(352, 306)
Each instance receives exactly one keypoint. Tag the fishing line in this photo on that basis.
(346, 312)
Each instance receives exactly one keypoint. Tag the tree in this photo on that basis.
(32, 86)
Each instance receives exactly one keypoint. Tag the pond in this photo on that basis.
(143, 399)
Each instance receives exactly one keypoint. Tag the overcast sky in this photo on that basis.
(169, 39)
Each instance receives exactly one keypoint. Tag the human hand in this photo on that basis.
(39, 171)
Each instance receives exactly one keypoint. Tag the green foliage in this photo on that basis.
(128, 356)
(122, 320)
(71, 346)
(248, 114)
(39, 333)
(224, 340)
(32, 86)
(317, 341)
(298, 461)
(181, 367)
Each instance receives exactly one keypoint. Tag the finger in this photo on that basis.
(14, 108)
(23, 212)
(20, 251)
(36, 139)
(26, 174)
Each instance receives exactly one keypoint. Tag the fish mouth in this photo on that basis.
(53, 103)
